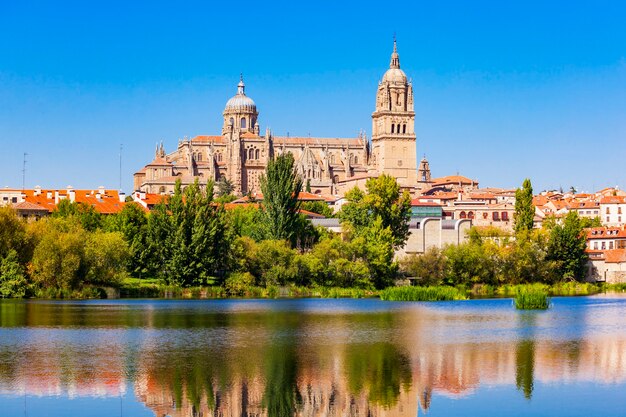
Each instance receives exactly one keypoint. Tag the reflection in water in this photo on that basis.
(306, 358)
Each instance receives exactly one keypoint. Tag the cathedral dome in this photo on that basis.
(240, 101)
(395, 75)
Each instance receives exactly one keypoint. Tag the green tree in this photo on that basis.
(59, 257)
(318, 207)
(106, 257)
(199, 239)
(132, 223)
(224, 187)
(12, 276)
(524, 208)
(383, 200)
(86, 214)
(429, 268)
(566, 247)
(14, 236)
(281, 186)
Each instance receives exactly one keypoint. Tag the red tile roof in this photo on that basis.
(615, 256)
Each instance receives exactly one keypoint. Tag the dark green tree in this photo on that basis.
(224, 187)
(132, 222)
(524, 208)
(281, 186)
(566, 247)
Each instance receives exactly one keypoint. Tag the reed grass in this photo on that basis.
(433, 293)
(532, 297)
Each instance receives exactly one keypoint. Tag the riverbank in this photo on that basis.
(154, 288)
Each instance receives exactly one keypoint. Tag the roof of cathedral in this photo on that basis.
(454, 179)
(291, 140)
(206, 138)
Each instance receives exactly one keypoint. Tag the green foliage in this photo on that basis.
(106, 255)
(12, 276)
(132, 223)
(532, 298)
(524, 208)
(248, 221)
(59, 257)
(566, 248)
(318, 207)
(383, 201)
(586, 222)
(238, 283)
(430, 293)
(224, 187)
(281, 186)
(89, 218)
(428, 268)
(14, 236)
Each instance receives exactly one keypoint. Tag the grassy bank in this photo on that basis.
(435, 293)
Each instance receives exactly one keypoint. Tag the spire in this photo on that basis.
(395, 58)
(241, 86)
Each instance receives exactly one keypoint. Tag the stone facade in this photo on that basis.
(328, 165)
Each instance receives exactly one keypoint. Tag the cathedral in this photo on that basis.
(329, 166)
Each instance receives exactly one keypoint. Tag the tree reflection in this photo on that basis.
(380, 369)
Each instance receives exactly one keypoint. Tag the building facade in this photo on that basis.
(328, 165)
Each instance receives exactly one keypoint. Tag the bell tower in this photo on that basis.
(393, 125)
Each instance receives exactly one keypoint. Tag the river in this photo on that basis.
(312, 357)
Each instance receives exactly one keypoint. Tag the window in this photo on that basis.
(199, 157)
(619, 210)
(505, 216)
(232, 121)
(256, 154)
(463, 215)
(243, 122)
(470, 215)
(619, 219)
(403, 128)
(603, 245)
(393, 128)
(607, 219)
(162, 189)
(251, 153)
(611, 245)
(496, 216)
(608, 210)
(595, 245)
(356, 159)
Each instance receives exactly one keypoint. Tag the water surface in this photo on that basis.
(312, 358)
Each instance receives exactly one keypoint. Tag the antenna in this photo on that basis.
(24, 171)
(121, 148)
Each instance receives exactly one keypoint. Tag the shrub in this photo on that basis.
(532, 297)
(12, 278)
(238, 283)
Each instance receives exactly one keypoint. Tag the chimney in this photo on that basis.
(122, 197)
(37, 190)
(71, 194)
(56, 197)
(49, 195)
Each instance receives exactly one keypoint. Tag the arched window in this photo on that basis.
(232, 121)
(256, 154)
(251, 153)
(393, 126)
(162, 189)
(356, 159)
(243, 122)
(403, 128)
(332, 158)
(199, 157)
(470, 215)
(463, 215)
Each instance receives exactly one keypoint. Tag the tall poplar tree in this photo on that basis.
(281, 186)
(524, 209)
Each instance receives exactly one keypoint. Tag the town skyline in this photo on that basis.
(495, 110)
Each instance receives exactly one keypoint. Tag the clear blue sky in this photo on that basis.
(503, 89)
